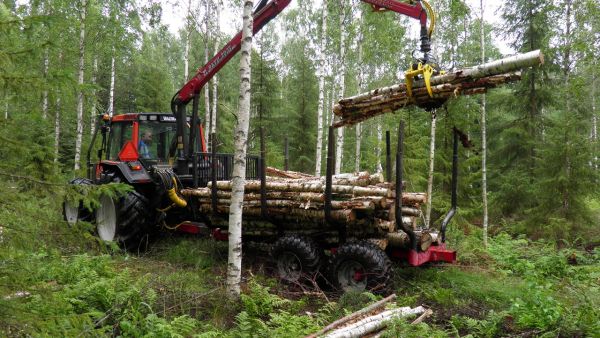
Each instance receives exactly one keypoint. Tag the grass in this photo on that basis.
(76, 286)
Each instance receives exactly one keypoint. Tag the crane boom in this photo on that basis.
(263, 14)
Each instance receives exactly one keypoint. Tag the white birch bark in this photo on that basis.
(58, 107)
(484, 141)
(186, 52)
(111, 91)
(321, 106)
(361, 74)
(358, 130)
(94, 99)
(80, 96)
(215, 101)
(45, 92)
(567, 73)
(373, 323)
(379, 167)
(57, 128)
(234, 266)
(207, 26)
(431, 167)
(594, 123)
(344, 17)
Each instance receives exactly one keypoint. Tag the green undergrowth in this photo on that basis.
(58, 281)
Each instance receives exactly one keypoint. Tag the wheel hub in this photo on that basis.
(71, 213)
(352, 276)
(289, 266)
(106, 219)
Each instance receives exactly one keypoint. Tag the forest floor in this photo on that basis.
(68, 284)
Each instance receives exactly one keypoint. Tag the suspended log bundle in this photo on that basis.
(469, 81)
(363, 203)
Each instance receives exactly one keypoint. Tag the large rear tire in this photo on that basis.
(124, 221)
(361, 266)
(76, 212)
(296, 257)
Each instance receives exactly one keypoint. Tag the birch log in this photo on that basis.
(374, 323)
(467, 81)
(354, 315)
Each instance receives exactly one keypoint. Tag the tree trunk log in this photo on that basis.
(353, 315)
(469, 81)
(374, 323)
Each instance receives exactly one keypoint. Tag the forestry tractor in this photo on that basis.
(162, 154)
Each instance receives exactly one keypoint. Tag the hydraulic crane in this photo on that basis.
(138, 149)
(265, 11)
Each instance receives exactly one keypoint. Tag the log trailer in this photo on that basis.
(179, 185)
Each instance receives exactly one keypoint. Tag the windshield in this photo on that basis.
(155, 139)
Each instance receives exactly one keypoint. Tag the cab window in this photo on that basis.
(120, 133)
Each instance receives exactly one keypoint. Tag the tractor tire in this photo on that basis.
(76, 213)
(296, 256)
(361, 266)
(124, 221)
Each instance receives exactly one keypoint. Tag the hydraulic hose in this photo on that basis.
(174, 197)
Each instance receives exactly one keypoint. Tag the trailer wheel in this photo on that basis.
(74, 213)
(124, 220)
(361, 266)
(296, 256)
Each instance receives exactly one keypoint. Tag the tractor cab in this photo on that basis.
(133, 144)
(148, 137)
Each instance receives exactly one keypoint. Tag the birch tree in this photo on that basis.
(81, 72)
(234, 266)
(57, 122)
(188, 34)
(361, 79)
(45, 92)
(345, 15)
(431, 169)
(321, 68)
(207, 33)
(111, 90)
(378, 166)
(483, 140)
(94, 99)
(215, 79)
(594, 135)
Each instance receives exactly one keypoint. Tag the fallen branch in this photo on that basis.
(422, 317)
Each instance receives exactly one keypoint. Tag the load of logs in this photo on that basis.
(295, 202)
(468, 81)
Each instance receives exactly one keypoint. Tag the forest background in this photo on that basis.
(62, 63)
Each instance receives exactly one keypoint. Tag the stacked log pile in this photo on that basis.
(295, 202)
(469, 81)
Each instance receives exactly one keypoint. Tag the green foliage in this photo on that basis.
(402, 328)
(491, 326)
(259, 303)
